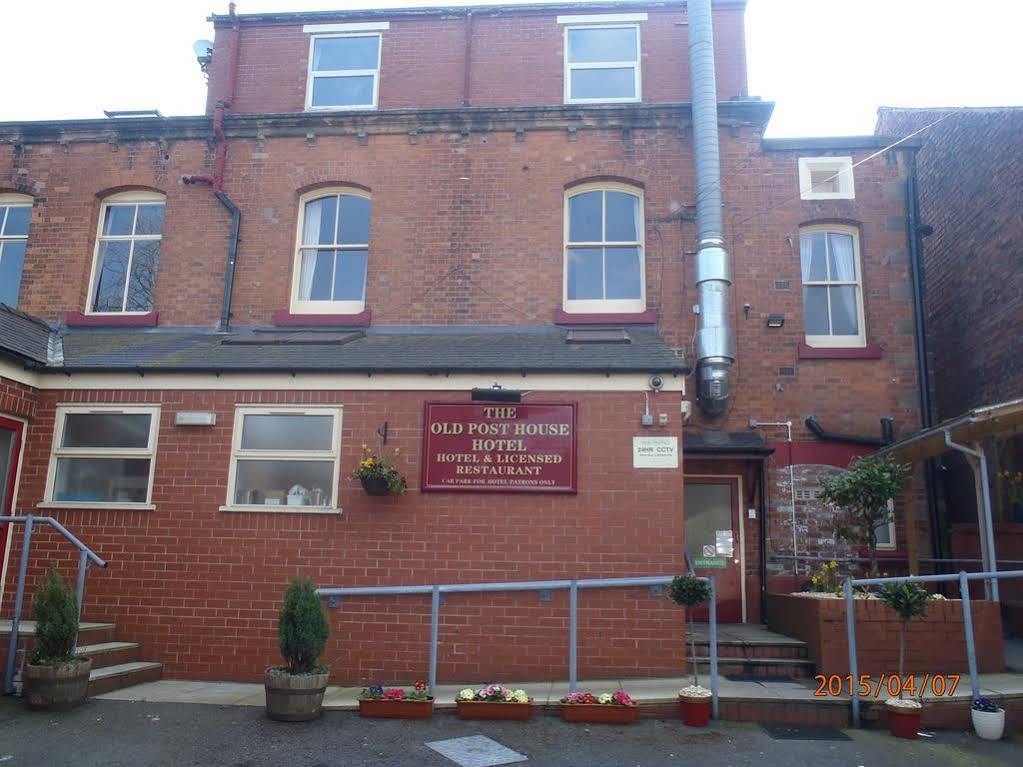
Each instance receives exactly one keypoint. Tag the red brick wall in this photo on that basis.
(517, 60)
(17, 398)
(935, 644)
(201, 588)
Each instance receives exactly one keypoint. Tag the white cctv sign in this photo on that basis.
(655, 452)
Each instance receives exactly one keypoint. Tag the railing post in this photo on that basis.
(83, 565)
(434, 632)
(971, 649)
(19, 598)
(573, 634)
(714, 644)
(850, 626)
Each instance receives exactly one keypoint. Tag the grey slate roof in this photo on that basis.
(503, 348)
(23, 336)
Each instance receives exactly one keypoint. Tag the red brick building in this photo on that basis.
(426, 202)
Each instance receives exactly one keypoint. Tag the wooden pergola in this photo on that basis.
(963, 434)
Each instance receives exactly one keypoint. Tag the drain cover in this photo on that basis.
(476, 751)
(803, 732)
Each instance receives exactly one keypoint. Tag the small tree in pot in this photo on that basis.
(54, 677)
(294, 693)
(691, 592)
(909, 601)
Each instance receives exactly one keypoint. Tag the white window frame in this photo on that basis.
(891, 545)
(635, 65)
(833, 341)
(604, 306)
(300, 306)
(13, 201)
(123, 198)
(840, 166)
(237, 453)
(311, 75)
(56, 451)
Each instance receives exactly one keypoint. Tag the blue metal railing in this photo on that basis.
(85, 556)
(572, 585)
(964, 590)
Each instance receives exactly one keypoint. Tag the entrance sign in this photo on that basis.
(708, 563)
(497, 447)
(655, 452)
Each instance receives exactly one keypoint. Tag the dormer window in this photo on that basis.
(602, 58)
(344, 66)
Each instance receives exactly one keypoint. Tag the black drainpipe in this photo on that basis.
(915, 230)
(854, 439)
(232, 257)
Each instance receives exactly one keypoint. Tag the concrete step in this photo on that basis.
(122, 675)
(794, 650)
(106, 654)
(761, 668)
(88, 633)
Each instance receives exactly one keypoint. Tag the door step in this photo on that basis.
(761, 668)
(104, 654)
(794, 650)
(121, 675)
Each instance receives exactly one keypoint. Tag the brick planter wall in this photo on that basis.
(935, 644)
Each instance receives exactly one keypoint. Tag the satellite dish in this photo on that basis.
(202, 49)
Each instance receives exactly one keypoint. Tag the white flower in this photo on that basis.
(604, 699)
(519, 696)
(466, 694)
(695, 691)
(902, 703)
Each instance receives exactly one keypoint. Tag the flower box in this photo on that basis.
(496, 710)
(599, 713)
(396, 709)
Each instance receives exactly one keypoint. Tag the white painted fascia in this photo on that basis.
(602, 18)
(364, 26)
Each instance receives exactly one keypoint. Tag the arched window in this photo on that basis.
(829, 258)
(127, 253)
(15, 212)
(604, 260)
(332, 253)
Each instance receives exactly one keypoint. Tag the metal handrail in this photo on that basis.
(85, 556)
(964, 590)
(573, 585)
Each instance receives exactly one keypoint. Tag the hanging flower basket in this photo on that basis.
(494, 702)
(378, 477)
(375, 485)
(616, 708)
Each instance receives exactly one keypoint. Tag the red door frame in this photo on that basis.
(7, 497)
(730, 587)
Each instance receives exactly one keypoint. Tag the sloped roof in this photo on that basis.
(23, 336)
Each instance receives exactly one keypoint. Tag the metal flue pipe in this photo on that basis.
(715, 336)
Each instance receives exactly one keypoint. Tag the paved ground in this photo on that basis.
(115, 733)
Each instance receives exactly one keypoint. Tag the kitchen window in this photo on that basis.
(602, 63)
(344, 71)
(285, 459)
(15, 212)
(832, 286)
(604, 264)
(332, 252)
(127, 254)
(103, 456)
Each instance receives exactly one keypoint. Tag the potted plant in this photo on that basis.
(610, 708)
(55, 678)
(988, 719)
(394, 703)
(908, 600)
(494, 702)
(294, 693)
(378, 477)
(863, 494)
(694, 699)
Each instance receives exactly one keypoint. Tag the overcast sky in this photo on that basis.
(827, 64)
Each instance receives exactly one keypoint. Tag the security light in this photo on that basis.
(775, 320)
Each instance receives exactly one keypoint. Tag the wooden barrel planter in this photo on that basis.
(57, 688)
(396, 709)
(294, 697)
(494, 710)
(598, 713)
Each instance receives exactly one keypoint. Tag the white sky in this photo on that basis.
(827, 64)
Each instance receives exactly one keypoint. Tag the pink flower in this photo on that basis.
(394, 693)
(622, 698)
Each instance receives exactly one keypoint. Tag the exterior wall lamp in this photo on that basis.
(496, 394)
(775, 320)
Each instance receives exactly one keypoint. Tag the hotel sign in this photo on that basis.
(497, 447)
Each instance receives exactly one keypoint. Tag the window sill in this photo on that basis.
(283, 317)
(79, 320)
(649, 317)
(283, 509)
(97, 505)
(868, 352)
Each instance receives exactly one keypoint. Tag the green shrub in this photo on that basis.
(303, 627)
(689, 592)
(909, 601)
(55, 611)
